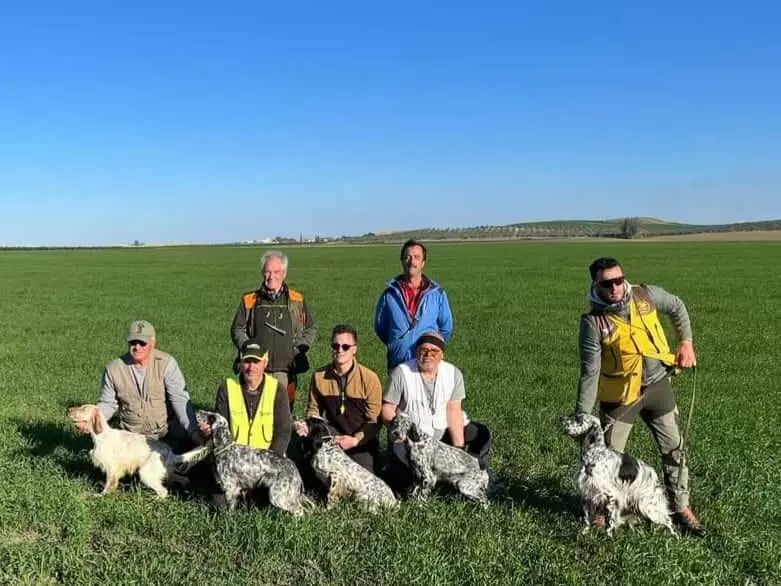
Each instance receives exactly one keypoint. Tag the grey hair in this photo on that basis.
(274, 254)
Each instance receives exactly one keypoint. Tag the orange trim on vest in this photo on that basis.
(250, 299)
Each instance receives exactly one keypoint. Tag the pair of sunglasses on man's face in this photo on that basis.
(610, 283)
(343, 347)
(136, 343)
(429, 351)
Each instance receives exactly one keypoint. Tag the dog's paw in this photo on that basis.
(420, 496)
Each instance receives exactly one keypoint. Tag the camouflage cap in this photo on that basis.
(141, 330)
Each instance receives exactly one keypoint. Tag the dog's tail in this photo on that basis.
(183, 462)
(307, 502)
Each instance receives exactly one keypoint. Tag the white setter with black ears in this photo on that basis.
(119, 453)
(614, 484)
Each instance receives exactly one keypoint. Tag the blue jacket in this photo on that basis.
(398, 332)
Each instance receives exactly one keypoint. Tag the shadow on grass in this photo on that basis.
(68, 450)
(546, 495)
(63, 446)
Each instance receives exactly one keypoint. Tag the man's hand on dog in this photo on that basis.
(346, 442)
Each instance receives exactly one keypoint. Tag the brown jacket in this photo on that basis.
(352, 410)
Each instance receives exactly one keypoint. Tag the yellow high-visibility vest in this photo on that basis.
(625, 346)
(258, 432)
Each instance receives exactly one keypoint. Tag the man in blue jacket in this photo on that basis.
(411, 304)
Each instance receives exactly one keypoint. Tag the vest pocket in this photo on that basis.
(614, 387)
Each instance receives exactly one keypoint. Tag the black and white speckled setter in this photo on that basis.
(613, 484)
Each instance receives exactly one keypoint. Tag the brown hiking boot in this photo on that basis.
(688, 524)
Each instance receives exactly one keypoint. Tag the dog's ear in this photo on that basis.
(318, 430)
(97, 424)
(413, 434)
(316, 442)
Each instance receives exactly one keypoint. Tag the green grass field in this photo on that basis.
(516, 309)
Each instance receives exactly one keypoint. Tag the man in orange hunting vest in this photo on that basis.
(278, 317)
(625, 364)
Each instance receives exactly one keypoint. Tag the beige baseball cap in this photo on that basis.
(141, 330)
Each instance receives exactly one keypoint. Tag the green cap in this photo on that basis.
(141, 330)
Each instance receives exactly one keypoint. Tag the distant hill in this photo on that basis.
(613, 228)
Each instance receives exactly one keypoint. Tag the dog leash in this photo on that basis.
(687, 430)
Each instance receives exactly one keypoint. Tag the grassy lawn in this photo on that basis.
(516, 308)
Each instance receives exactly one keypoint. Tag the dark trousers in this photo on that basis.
(200, 476)
(365, 455)
(399, 475)
(177, 437)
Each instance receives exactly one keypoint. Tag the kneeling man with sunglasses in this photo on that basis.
(347, 395)
(625, 364)
(430, 390)
(146, 388)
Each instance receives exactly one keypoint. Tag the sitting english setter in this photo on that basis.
(432, 460)
(239, 469)
(615, 484)
(344, 477)
(118, 452)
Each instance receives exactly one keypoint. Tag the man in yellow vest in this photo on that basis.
(625, 363)
(256, 406)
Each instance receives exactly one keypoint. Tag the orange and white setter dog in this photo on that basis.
(119, 453)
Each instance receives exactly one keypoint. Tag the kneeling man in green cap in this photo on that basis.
(146, 389)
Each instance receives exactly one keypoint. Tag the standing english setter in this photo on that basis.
(612, 483)
(238, 469)
(118, 453)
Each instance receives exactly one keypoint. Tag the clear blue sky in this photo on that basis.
(222, 121)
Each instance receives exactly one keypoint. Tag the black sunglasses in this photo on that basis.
(137, 343)
(608, 283)
(344, 347)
